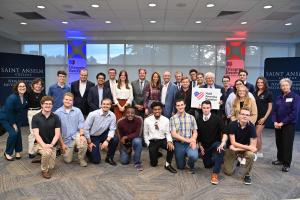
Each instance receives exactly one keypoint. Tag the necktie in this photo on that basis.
(141, 86)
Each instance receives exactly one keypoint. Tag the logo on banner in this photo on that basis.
(199, 95)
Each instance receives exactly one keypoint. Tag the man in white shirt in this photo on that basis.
(111, 79)
(157, 135)
(168, 93)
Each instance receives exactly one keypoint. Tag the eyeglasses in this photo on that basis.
(243, 114)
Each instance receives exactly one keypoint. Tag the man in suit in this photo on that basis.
(193, 75)
(80, 90)
(243, 76)
(138, 87)
(111, 78)
(178, 78)
(168, 93)
(98, 93)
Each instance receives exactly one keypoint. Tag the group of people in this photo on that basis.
(116, 114)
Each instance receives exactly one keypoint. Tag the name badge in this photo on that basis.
(289, 100)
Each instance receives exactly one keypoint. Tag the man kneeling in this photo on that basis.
(243, 145)
(72, 132)
(157, 135)
(46, 129)
(129, 129)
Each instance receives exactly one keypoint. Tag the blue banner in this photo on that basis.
(278, 68)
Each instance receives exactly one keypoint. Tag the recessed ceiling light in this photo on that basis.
(152, 21)
(95, 6)
(198, 22)
(152, 4)
(41, 7)
(288, 24)
(107, 22)
(64, 22)
(243, 23)
(210, 5)
(23, 23)
(268, 6)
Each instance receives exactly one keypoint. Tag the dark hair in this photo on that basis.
(106, 99)
(46, 98)
(193, 70)
(112, 69)
(156, 103)
(158, 85)
(226, 76)
(101, 74)
(207, 102)
(16, 85)
(36, 81)
(62, 72)
(126, 80)
(142, 69)
(179, 100)
(200, 73)
(130, 107)
(243, 70)
(266, 87)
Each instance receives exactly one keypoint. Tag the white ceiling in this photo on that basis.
(130, 18)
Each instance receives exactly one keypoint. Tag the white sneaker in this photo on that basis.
(260, 155)
(255, 157)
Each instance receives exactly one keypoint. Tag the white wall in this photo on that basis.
(9, 46)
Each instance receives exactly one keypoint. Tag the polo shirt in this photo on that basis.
(57, 92)
(46, 126)
(244, 135)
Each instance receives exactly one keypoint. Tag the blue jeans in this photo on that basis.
(95, 156)
(182, 150)
(137, 148)
(14, 140)
(212, 158)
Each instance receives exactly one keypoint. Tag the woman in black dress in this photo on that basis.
(263, 98)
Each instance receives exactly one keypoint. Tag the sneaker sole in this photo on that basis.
(214, 183)
(247, 183)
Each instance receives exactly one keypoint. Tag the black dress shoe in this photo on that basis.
(159, 154)
(285, 168)
(31, 156)
(276, 162)
(110, 161)
(170, 169)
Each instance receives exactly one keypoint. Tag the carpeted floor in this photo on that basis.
(22, 180)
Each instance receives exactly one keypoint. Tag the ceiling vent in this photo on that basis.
(280, 15)
(80, 13)
(30, 15)
(230, 14)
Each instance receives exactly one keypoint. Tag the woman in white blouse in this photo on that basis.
(122, 94)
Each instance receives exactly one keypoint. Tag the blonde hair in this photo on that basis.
(236, 103)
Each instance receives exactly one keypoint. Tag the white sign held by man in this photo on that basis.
(201, 94)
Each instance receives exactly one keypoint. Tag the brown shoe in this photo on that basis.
(46, 174)
(214, 179)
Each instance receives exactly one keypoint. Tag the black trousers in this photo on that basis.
(284, 142)
(153, 151)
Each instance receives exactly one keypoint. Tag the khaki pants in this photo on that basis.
(231, 156)
(48, 157)
(31, 137)
(80, 145)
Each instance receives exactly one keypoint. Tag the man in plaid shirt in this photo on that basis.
(183, 128)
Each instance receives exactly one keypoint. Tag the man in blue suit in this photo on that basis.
(98, 93)
(168, 93)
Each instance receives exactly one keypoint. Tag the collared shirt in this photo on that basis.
(100, 93)
(163, 131)
(46, 126)
(286, 108)
(211, 86)
(57, 92)
(164, 93)
(242, 135)
(97, 122)
(82, 87)
(206, 117)
(71, 122)
(183, 124)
